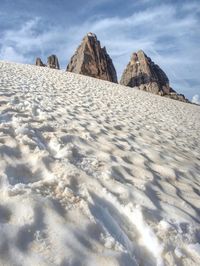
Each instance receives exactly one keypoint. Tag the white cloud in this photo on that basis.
(15, 44)
(196, 99)
(9, 53)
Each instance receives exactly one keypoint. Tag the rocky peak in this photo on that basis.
(143, 73)
(52, 62)
(39, 62)
(92, 60)
(92, 35)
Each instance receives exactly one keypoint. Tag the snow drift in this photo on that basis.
(94, 173)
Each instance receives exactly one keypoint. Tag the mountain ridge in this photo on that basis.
(141, 72)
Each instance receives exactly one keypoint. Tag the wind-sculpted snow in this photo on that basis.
(94, 173)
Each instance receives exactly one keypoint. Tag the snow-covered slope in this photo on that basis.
(94, 173)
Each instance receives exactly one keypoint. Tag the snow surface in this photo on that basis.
(94, 173)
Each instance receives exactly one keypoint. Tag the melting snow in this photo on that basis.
(94, 173)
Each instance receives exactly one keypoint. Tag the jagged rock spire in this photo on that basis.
(39, 62)
(143, 73)
(92, 60)
(52, 62)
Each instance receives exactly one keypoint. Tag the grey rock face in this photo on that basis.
(143, 73)
(52, 62)
(92, 60)
(176, 96)
(39, 62)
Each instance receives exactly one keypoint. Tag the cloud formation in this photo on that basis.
(196, 99)
(168, 33)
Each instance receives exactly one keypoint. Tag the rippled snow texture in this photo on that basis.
(94, 173)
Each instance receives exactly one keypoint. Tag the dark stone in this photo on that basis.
(52, 62)
(143, 73)
(92, 60)
(39, 62)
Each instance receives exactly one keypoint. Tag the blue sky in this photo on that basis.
(168, 31)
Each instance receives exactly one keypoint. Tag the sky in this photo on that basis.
(168, 31)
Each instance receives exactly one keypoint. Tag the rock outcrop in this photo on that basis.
(39, 62)
(92, 60)
(177, 96)
(52, 62)
(143, 73)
